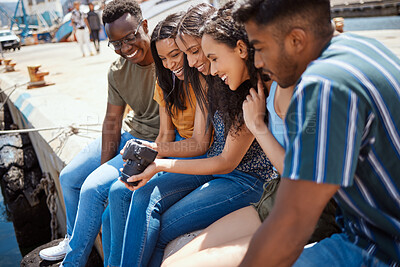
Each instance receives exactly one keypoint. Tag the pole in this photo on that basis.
(15, 15)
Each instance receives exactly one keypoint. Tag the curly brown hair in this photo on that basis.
(224, 29)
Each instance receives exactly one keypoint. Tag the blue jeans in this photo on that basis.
(85, 186)
(115, 216)
(338, 251)
(174, 204)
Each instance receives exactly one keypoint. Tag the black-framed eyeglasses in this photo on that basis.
(130, 39)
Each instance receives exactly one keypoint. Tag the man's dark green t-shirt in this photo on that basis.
(134, 85)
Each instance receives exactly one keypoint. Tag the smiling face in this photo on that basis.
(226, 62)
(271, 55)
(171, 56)
(139, 51)
(191, 46)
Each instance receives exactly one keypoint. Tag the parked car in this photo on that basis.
(9, 40)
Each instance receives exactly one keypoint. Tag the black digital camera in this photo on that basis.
(137, 157)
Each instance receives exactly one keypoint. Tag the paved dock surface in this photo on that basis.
(78, 96)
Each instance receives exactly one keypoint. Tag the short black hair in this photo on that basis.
(285, 14)
(117, 8)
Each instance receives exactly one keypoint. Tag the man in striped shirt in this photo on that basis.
(342, 138)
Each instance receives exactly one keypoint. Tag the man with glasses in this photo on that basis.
(86, 180)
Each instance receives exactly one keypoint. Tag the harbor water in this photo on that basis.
(372, 23)
(10, 256)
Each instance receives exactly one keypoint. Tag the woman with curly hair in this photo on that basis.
(195, 193)
(225, 242)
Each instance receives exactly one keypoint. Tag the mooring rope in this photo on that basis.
(14, 87)
(72, 127)
(62, 136)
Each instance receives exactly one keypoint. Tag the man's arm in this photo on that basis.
(111, 134)
(281, 238)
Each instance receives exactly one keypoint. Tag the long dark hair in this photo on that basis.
(224, 29)
(191, 24)
(174, 90)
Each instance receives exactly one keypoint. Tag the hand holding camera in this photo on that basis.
(138, 158)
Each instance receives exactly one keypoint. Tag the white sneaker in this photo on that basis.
(57, 252)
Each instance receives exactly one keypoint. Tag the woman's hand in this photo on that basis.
(151, 145)
(142, 178)
(254, 107)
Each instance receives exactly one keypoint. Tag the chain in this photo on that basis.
(46, 183)
(51, 203)
(49, 188)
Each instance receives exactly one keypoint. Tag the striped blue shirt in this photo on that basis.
(344, 130)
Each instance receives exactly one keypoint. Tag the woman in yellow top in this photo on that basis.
(175, 124)
(182, 132)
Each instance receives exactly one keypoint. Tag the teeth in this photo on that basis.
(223, 77)
(132, 55)
(177, 71)
(200, 67)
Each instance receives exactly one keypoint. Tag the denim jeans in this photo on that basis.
(113, 229)
(338, 251)
(174, 204)
(114, 219)
(115, 216)
(85, 186)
